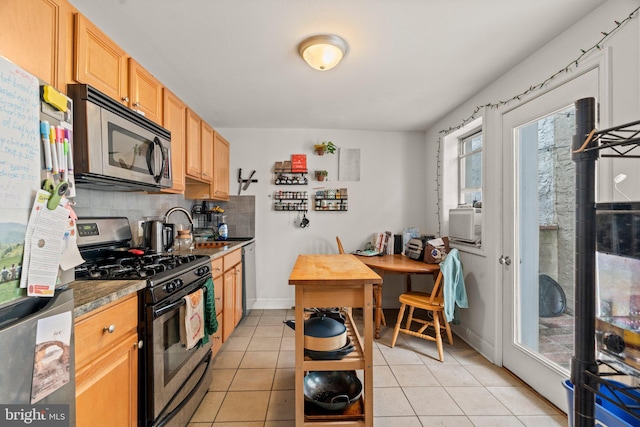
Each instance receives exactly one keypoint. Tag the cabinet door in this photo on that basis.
(237, 296)
(174, 119)
(206, 150)
(145, 92)
(193, 145)
(228, 317)
(99, 62)
(216, 338)
(220, 185)
(34, 37)
(107, 388)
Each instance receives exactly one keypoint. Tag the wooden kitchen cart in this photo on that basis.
(335, 281)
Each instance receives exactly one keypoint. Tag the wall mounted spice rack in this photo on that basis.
(291, 201)
(291, 178)
(335, 199)
(291, 172)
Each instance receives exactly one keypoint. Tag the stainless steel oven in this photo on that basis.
(178, 377)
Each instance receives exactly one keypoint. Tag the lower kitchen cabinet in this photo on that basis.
(232, 301)
(106, 346)
(216, 338)
(218, 296)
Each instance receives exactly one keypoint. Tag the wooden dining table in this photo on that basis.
(394, 264)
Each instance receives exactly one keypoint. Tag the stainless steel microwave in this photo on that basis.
(116, 148)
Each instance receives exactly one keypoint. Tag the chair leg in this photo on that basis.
(410, 317)
(436, 326)
(378, 299)
(396, 330)
(448, 329)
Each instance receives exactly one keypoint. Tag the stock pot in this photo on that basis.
(322, 333)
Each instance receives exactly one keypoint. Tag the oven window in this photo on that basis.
(127, 150)
(175, 353)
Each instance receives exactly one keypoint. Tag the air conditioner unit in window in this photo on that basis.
(465, 224)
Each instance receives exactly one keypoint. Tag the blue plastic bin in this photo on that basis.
(607, 414)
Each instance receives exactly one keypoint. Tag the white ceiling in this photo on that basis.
(235, 62)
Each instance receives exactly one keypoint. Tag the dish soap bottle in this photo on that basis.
(223, 230)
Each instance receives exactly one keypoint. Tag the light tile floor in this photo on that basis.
(253, 383)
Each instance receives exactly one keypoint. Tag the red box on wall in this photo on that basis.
(298, 163)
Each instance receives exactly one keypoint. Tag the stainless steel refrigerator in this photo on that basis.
(31, 367)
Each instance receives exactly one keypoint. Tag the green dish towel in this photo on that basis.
(210, 320)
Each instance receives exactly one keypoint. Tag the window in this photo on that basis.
(470, 169)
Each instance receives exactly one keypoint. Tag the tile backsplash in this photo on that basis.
(239, 210)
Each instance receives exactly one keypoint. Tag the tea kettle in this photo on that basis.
(158, 235)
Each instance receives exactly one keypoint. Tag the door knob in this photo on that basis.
(504, 260)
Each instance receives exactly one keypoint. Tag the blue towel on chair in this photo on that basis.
(454, 290)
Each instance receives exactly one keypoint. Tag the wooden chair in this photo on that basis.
(376, 288)
(431, 302)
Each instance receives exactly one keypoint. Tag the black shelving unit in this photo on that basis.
(588, 145)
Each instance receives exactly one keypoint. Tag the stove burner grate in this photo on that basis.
(116, 267)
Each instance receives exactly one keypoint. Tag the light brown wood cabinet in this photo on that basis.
(106, 348)
(174, 119)
(34, 36)
(218, 188)
(145, 92)
(232, 301)
(99, 62)
(102, 64)
(220, 184)
(218, 295)
(206, 151)
(199, 148)
(56, 43)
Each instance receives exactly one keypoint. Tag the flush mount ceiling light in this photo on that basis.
(322, 52)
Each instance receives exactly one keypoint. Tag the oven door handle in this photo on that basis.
(164, 419)
(162, 310)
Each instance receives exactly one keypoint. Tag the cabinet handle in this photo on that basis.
(109, 328)
(125, 99)
(218, 269)
(136, 104)
(139, 344)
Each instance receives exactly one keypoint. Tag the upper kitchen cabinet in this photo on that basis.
(34, 36)
(199, 148)
(206, 133)
(174, 120)
(220, 184)
(145, 92)
(218, 188)
(100, 62)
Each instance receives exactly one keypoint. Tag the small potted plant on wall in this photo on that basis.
(325, 147)
(320, 175)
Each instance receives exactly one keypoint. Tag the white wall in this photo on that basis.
(389, 196)
(481, 323)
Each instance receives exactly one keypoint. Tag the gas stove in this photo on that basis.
(104, 243)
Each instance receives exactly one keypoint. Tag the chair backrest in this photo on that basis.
(340, 248)
(436, 292)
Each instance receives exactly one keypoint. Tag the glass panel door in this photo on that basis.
(538, 238)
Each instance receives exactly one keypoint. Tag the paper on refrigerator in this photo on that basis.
(43, 245)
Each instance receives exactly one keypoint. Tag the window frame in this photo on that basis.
(462, 157)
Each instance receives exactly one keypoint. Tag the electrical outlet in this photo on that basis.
(140, 229)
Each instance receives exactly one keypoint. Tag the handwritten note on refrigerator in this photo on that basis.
(20, 136)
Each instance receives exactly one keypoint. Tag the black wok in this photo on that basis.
(332, 390)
